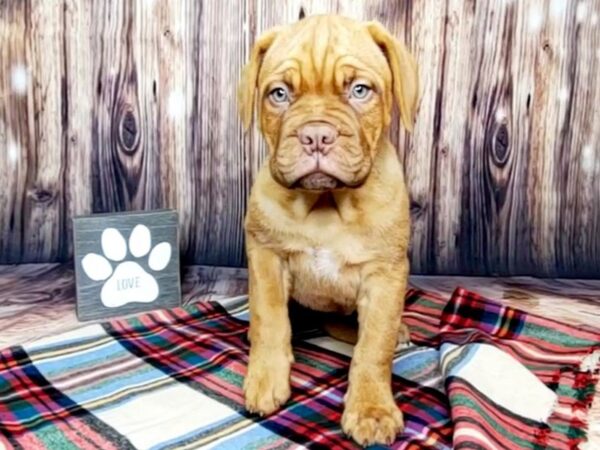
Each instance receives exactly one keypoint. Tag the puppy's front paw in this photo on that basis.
(267, 384)
(372, 422)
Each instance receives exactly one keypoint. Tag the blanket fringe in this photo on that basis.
(593, 432)
(591, 365)
(591, 362)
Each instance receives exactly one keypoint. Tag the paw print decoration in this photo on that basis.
(129, 282)
(120, 272)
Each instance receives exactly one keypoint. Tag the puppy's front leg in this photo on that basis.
(267, 383)
(370, 414)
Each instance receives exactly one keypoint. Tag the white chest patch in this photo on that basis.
(325, 263)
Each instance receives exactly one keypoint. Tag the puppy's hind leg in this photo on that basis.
(403, 337)
(345, 329)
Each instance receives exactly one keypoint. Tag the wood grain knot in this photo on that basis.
(500, 145)
(33, 298)
(547, 48)
(129, 135)
(39, 195)
(416, 208)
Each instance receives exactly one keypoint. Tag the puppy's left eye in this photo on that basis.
(360, 91)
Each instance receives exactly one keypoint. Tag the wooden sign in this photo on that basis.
(126, 263)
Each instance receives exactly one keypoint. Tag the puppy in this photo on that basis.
(328, 217)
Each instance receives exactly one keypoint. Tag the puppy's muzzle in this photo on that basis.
(317, 140)
(317, 137)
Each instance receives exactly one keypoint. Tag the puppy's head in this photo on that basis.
(324, 88)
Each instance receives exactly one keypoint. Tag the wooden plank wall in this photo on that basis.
(119, 105)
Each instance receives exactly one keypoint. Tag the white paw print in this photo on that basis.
(129, 281)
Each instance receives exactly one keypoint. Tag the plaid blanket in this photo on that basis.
(478, 375)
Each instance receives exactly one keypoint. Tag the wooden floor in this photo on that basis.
(39, 300)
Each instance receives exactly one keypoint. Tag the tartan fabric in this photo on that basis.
(172, 379)
(28, 402)
(551, 350)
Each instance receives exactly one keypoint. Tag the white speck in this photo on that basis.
(587, 158)
(558, 8)
(325, 264)
(535, 19)
(362, 302)
(176, 104)
(19, 79)
(594, 19)
(13, 151)
(501, 114)
(564, 94)
(581, 12)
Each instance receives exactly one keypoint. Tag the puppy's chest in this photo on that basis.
(328, 254)
(320, 262)
(325, 277)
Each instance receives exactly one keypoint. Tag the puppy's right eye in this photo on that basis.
(279, 95)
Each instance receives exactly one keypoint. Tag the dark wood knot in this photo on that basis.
(40, 195)
(500, 145)
(547, 48)
(129, 131)
(416, 208)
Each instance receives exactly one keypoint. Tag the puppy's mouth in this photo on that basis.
(318, 181)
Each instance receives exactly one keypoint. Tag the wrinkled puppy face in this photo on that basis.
(324, 88)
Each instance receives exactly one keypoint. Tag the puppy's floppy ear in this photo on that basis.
(247, 87)
(405, 76)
